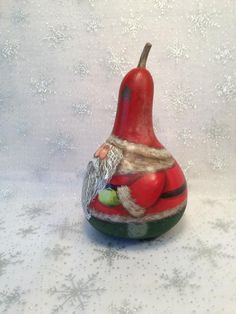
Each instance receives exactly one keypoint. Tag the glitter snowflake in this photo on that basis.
(58, 35)
(125, 308)
(11, 259)
(81, 69)
(24, 232)
(226, 90)
(185, 136)
(42, 87)
(66, 228)
(6, 193)
(109, 254)
(222, 225)
(211, 253)
(163, 6)
(36, 210)
(9, 51)
(216, 132)
(218, 160)
(181, 99)
(60, 144)
(19, 17)
(223, 55)
(132, 25)
(203, 20)
(81, 109)
(116, 63)
(177, 51)
(76, 293)
(58, 251)
(10, 298)
(93, 24)
(179, 281)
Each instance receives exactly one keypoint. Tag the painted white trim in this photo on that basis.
(139, 158)
(160, 153)
(128, 202)
(146, 218)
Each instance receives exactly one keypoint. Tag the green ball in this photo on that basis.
(109, 197)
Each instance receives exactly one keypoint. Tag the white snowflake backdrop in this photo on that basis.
(61, 65)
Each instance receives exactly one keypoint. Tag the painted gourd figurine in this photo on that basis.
(133, 187)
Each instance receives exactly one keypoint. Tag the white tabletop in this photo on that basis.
(53, 261)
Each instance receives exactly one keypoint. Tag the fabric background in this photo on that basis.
(61, 64)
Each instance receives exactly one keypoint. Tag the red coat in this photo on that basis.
(156, 192)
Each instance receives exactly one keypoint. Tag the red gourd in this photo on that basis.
(133, 187)
(134, 112)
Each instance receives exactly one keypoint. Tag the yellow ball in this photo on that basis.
(109, 197)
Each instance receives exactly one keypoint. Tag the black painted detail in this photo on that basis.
(174, 193)
(112, 186)
(126, 93)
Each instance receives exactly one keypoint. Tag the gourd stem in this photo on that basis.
(144, 56)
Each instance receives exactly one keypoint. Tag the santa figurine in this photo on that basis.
(133, 187)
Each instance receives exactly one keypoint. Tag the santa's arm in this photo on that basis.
(141, 194)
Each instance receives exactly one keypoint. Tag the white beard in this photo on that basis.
(98, 174)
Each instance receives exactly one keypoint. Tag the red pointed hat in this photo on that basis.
(133, 120)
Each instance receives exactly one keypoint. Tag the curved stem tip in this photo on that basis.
(144, 56)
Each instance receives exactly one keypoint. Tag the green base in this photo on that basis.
(142, 231)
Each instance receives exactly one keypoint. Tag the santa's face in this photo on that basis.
(106, 157)
(102, 151)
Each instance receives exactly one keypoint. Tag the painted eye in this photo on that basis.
(126, 93)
